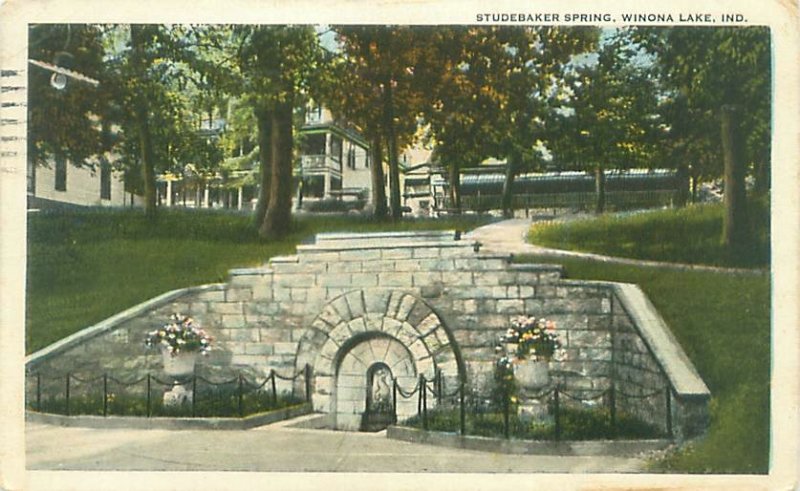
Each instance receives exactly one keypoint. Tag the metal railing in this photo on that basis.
(233, 401)
(473, 406)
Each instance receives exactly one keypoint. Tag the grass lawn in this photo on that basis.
(723, 323)
(687, 235)
(86, 265)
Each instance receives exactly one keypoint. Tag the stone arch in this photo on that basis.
(358, 315)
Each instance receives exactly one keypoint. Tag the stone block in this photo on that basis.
(355, 303)
(344, 267)
(330, 316)
(240, 335)
(426, 278)
(314, 257)
(374, 322)
(364, 280)
(340, 334)
(298, 294)
(281, 293)
(382, 266)
(438, 264)
(426, 252)
(472, 292)
(293, 280)
(258, 349)
(459, 278)
(274, 335)
(394, 279)
(338, 280)
(357, 326)
(398, 253)
(516, 307)
(360, 255)
(198, 308)
(260, 309)
(285, 348)
(341, 307)
(233, 321)
(407, 303)
(211, 296)
(226, 307)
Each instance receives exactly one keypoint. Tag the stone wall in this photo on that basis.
(417, 302)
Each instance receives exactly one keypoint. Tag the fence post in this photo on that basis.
(274, 387)
(149, 410)
(239, 394)
(66, 409)
(38, 391)
(612, 396)
(419, 395)
(394, 396)
(506, 410)
(105, 394)
(668, 396)
(194, 394)
(308, 382)
(424, 387)
(557, 409)
(463, 411)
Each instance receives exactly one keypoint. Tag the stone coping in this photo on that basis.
(677, 366)
(418, 234)
(335, 246)
(117, 319)
(166, 423)
(667, 351)
(620, 448)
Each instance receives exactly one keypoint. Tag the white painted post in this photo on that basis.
(205, 196)
(169, 192)
(239, 199)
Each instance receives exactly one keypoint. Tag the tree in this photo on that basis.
(275, 67)
(724, 76)
(532, 65)
(67, 123)
(610, 116)
(384, 92)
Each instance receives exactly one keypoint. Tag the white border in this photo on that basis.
(780, 15)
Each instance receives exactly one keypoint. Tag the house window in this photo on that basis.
(61, 174)
(105, 180)
(351, 158)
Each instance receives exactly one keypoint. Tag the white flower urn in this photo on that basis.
(179, 365)
(531, 374)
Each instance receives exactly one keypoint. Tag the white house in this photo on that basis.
(62, 182)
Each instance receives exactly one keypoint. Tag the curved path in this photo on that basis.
(509, 236)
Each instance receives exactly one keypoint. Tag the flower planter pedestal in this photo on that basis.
(532, 377)
(179, 367)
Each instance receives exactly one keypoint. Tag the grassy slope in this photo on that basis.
(723, 323)
(86, 265)
(689, 235)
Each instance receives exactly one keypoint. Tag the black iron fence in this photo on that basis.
(151, 395)
(561, 413)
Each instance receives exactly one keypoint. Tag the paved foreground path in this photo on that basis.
(278, 447)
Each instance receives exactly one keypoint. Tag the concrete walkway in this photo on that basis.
(279, 447)
(509, 236)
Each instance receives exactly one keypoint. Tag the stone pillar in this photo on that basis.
(239, 199)
(205, 196)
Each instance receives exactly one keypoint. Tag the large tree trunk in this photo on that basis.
(148, 164)
(264, 122)
(146, 153)
(278, 218)
(454, 171)
(507, 200)
(682, 176)
(391, 144)
(376, 172)
(734, 227)
(600, 189)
